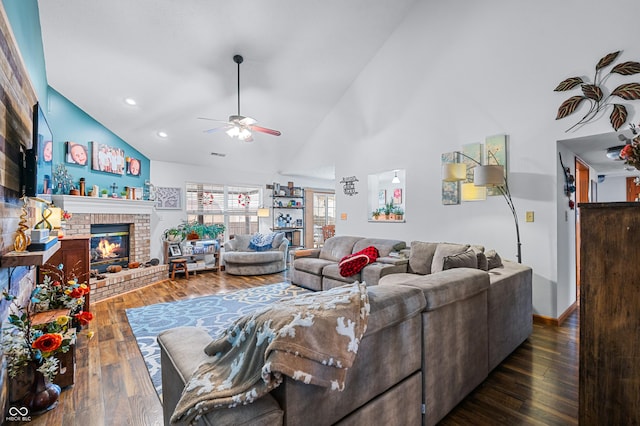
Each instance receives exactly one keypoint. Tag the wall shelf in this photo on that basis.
(28, 258)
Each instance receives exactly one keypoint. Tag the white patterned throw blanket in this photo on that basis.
(312, 338)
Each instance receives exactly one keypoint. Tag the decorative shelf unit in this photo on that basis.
(288, 216)
(201, 255)
(28, 258)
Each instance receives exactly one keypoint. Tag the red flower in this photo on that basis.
(84, 317)
(56, 283)
(77, 293)
(48, 342)
(626, 151)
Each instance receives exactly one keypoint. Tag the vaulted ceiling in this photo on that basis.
(175, 59)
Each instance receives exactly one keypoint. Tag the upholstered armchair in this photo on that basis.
(241, 257)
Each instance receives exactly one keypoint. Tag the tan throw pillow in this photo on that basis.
(443, 250)
(461, 260)
(482, 261)
(421, 256)
(493, 259)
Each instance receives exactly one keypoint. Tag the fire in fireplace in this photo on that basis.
(109, 246)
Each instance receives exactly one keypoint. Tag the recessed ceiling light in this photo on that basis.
(162, 134)
(130, 101)
(218, 154)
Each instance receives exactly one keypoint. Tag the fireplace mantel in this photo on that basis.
(79, 204)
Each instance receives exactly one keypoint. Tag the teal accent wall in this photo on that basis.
(24, 19)
(67, 121)
(70, 123)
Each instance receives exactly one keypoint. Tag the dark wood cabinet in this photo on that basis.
(610, 314)
(74, 255)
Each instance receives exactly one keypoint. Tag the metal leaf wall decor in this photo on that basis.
(596, 93)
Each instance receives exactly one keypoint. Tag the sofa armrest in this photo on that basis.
(230, 245)
(372, 273)
(284, 245)
(393, 260)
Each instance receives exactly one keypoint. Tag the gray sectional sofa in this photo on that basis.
(434, 334)
(239, 259)
(317, 269)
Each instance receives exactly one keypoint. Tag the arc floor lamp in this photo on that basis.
(492, 175)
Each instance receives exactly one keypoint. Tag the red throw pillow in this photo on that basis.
(353, 263)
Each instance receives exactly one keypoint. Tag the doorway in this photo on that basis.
(633, 190)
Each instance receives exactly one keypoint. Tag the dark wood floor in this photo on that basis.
(537, 384)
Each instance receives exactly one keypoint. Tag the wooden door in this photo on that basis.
(582, 196)
(633, 190)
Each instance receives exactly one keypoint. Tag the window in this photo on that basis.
(234, 206)
(324, 213)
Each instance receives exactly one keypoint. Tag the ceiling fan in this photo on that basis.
(239, 126)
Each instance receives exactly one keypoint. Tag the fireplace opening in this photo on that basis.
(109, 246)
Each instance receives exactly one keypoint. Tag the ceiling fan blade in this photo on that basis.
(217, 129)
(265, 130)
(213, 119)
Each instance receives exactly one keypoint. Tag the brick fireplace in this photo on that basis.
(87, 211)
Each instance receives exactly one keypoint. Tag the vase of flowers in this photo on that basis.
(631, 151)
(37, 333)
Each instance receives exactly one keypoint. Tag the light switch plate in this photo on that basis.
(529, 217)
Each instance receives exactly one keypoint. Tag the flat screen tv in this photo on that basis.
(38, 168)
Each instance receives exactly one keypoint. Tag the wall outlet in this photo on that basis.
(529, 217)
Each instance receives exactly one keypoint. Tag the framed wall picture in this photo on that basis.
(76, 153)
(495, 148)
(397, 196)
(133, 166)
(174, 250)
(105, 158)
(450, 190)
(168, 198)
(382, 197)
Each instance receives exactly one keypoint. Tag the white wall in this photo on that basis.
(614, 188)
(453, 73)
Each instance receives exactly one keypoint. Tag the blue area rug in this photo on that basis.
(213, 313)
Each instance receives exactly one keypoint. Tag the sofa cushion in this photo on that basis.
(332, 271)
(312, 265)
(384, 246)
(448, 286)
(483, 264)
(467, 259)
(421, 257)
(493, 259)
(252, 258)
(277, 240)
(443, 250)
(335, 248)
(242, 242)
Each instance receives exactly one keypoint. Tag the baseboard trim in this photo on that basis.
(540, 319)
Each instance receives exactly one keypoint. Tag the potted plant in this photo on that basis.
(398, 212)
(194, 230)
(375, 214)
(104, 193)
(175, 235)
(388, 210)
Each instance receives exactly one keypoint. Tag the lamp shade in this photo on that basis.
(263, 212)
(471, 192)
(56, 217)
(453, 172)
(492, 175)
